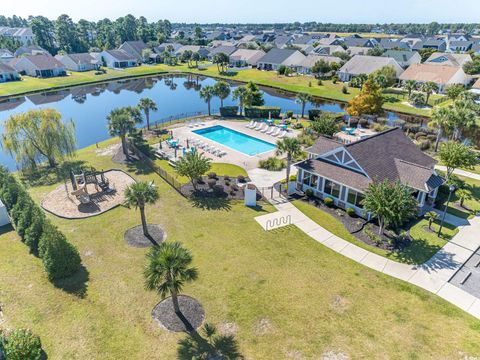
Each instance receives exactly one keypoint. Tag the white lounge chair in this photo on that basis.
(249, 124)
(272, 129)
(222, 153)
(253, 125)
(258, 127)
(282, 135)
(202, 123)
(191, 124)
(276, 132)
(265, 130)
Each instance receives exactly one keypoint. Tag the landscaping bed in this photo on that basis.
(213, 185)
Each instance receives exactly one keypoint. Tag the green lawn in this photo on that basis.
(471, 206)
(307, 84)
(283, 294)
(424, 245)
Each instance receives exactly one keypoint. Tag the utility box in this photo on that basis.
(4, 219)
(250, 195)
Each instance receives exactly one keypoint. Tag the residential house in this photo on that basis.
(343, 172)
(476, 48)
(23, 35)
(361, 64)
(202, 50)
(448, 59)
(8, 73)
(330, 40)
(42, 66)
(442, 75)
(283, 41)
(476, 85)
(357, 50)
(437, 44)
(312, 59)
(460, 46)
(276, 57)
(246, 57)
(360, 42)
(328, 49)
(171, 47)
(412, 40)
(79, 62)
(395, 44)
(404, 58)
(227, 50)
(6, 56)
(117, 59)
(135, 49)
(30, 50)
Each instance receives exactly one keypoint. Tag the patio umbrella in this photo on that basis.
(187, 145)
(160, 143)
(175, 152)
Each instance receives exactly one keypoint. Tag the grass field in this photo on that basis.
(281, 293)
(307, 84)
(471, 206)
(424, 243)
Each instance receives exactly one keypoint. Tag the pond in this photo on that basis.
(89, 106)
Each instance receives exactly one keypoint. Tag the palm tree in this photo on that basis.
(207, 93)
(428, 88)
(193, 165)
(196, 57)
(222, 90)
(463, 195)
(431, 216)
(303, 99)
(167, 270)
(240, 94)
(146, 105)
(441, 117)
(410, 85)
(463, 116)
(138, 195)
(122, 121)
(292, 148)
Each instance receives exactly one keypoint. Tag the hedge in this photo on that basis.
(229, 111)
(262, 112)
(60, 258)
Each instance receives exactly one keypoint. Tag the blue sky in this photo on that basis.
(340, 11)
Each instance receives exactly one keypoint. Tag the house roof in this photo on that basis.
(391, 44)
(277, 56)
(247, 54)
(363, 64)
(120, 55)
(311, 59)
(4, 68)
(440, 74)
(389, 155)
(41, 62)
(448, 59)
(82, 58)
(328, 49)
(223, 49)
(6, 52)
(477, 84)
(135, 46)
(400, 55)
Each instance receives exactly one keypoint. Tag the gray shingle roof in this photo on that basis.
(323, 145)
(277, 56)
(4, 68)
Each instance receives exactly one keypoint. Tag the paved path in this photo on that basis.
(433, 275)
(460, 172)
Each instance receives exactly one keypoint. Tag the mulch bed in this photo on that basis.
(356, 225)
(121, 158)
(135, 237)
(191, 317)
(228, 188)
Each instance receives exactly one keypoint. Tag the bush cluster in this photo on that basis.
(60, 258)
(272, 164)
(227, 111)
(328, 201)
(20, 344)
(262, 111)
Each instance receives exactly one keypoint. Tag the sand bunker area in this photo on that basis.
(62, 203)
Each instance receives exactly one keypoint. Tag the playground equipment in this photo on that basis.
(81, 179)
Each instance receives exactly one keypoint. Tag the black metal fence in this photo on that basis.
(182, 117)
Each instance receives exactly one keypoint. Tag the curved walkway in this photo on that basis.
(432, 275)
(459, 172)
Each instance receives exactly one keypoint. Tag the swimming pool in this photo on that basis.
(235, 140)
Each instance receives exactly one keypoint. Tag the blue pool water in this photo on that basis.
(235, 140)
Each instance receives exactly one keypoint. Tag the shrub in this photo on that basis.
(319, 82)
(289, 114)
(417, 99)
(399, 123)
(424, 144)
(293, 178)
(363, 123)
(413, 128)
(22, 344)
(309, 193)
(218, 189)
(382, 121)
(21, 204)
(351, 212)
(226, 178)
(309, 84)
(432, 137)
(34, 232)
(212, 175)
(229, 111)
(335, 79)
(328, 201)
(373, 237)
(60, 258)
(378, 127)
(297, 125)
(241, 178)
(211, 183)
(314, 114)
(25, 219)
(344, 89)
(272, 164)
(262, 111)
(420, 134)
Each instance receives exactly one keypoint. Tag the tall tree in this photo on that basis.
(429, 88)
(391, 202)
(126, 29)
(222, 90)
(410, 85)
(43, 30)
(207, 93)
(303, 99)
(240, 94)
(369, 101)
(138, 195)
(66, 35)
(292, 148)
(38, 134)
(454, 91)
(122, 121)
(440, 121)
(455, 155)
(255, 96)
(105, 34)
(146, 105)
(464, 116)
(168, 269)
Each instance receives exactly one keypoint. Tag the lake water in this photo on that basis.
(89, 106)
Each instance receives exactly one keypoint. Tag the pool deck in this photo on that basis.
(233, 156)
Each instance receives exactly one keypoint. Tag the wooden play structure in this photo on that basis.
(81, 179)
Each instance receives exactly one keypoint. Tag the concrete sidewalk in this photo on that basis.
(432, 275)
(460, 172)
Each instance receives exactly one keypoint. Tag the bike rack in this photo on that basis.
(278, 222)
